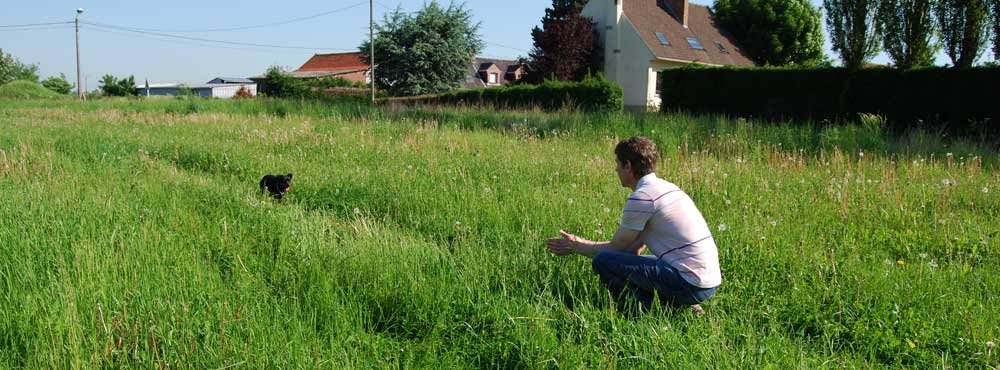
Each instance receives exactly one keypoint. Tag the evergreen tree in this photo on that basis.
(425, 53)
(774, 32)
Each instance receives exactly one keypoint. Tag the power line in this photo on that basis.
(196, 43)
(37, 28)
(32, 24)
(238, 28)
(225, 42)
(508, 47)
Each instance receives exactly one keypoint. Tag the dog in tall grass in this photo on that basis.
(277, 185)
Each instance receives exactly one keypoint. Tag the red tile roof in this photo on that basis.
(334, 62)
(649, 18)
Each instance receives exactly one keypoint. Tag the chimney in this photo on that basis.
(680, 10)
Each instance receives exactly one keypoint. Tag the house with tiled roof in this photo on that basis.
(486, 72)
(643, 37)
(348, 66)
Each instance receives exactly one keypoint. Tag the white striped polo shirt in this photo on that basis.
(674, 230)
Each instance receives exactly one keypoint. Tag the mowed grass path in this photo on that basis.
(132, 235)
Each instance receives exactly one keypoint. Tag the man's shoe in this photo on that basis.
(697, 310)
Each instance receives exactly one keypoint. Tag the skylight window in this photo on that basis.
(694, 43)
(663, 39)
(722, 48)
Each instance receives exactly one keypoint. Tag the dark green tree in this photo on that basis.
(58, 84)
(566, 47)
(12, 69)
(908, 32)
(854, 31)
(964, 32)
(112, 86)
(424, 53)
(774, 32)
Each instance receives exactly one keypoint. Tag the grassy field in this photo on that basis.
(132, 235)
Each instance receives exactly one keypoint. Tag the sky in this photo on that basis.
(299, 28)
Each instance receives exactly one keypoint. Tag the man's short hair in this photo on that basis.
(640, 152)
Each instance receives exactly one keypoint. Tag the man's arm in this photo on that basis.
(625, 240)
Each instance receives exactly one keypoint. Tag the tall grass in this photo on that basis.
(134, 236)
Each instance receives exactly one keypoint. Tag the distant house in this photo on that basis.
(493, 72)
(348, 66)
(643, 37)
(220, 87)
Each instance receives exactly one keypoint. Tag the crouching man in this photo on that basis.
(683, 269)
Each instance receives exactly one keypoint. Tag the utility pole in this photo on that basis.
(79, 86)
(371, 42)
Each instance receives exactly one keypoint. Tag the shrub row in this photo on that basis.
(595, 94)
(957, 101)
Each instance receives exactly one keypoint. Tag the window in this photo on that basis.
(663, 39)
(493, 78)
(722, 48)
(694, 43)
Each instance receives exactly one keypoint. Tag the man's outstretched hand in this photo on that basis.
(564, 245)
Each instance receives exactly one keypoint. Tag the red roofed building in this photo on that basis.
(643, 37)
(348, 66)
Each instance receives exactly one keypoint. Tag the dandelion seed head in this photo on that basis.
(773, 223)
(607, 210)
(990, 344)
(570, 200)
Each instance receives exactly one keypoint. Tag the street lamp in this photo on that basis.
(79, 87)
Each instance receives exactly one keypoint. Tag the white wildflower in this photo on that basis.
(986, 189)
(723, 227)
(357, 211)
(570, 200)
(923, 256)
(607, 210)
(773, 223)
(728, 202)
(932, 264)
(458, 223)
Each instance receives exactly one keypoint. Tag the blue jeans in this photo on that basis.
(642, 275)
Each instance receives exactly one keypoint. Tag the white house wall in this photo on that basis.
(626, 57)
(635, 68)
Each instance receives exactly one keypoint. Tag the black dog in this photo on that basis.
(277, 185)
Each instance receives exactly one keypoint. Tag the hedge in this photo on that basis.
(958, 101)
(596, 94)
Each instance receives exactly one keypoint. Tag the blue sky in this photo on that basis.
(505, 26)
